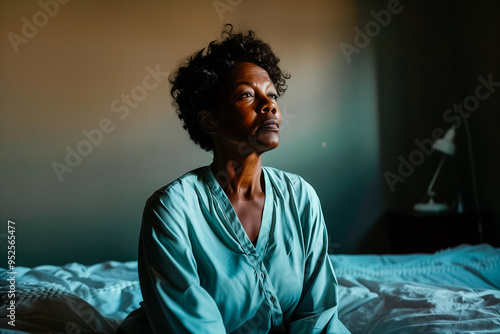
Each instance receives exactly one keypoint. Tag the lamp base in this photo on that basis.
(430, 206)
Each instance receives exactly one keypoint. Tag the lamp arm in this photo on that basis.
(429, 190)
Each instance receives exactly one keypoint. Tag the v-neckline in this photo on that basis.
(234, 221)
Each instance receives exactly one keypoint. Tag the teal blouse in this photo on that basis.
(200, 273)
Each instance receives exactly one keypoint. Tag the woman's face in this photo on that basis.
(247, 116)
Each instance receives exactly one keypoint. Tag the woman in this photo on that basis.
(234, 247)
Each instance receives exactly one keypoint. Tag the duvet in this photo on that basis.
(452, 291)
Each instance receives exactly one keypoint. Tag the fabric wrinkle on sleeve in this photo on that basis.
(173, 297)
(317, 310)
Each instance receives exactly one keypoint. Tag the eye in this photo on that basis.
(273, 96)
(244, 95)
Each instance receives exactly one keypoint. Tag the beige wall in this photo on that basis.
(68, 74)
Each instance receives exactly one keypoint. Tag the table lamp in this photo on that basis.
(446, 146)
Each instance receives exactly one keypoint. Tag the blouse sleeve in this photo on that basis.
(317, 310)
(174, 300)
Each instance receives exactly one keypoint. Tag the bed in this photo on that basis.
(452, 291)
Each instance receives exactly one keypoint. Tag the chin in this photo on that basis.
(269, 148)
(267, 142)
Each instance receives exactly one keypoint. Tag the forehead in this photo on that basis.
(247, 72)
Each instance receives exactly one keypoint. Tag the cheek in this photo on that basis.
(242, 118)
(238, 122)
(227, 118)
(236, 125)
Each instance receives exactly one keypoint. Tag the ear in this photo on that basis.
(206, 122)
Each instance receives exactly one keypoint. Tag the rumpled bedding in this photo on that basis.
(73, 298)
(453, 291)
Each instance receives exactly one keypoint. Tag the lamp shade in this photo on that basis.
(446, 144)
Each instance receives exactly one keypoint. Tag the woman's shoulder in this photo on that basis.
(278, 174)
(181, 188)
(287, 181)
(172, 206)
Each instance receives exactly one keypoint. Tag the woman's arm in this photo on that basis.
(317, 311)
(173, 298)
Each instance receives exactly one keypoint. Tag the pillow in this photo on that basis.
(44, 308)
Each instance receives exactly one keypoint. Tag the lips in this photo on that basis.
(270, 125)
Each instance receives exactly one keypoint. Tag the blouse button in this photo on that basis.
(273, 299)
(263, 275)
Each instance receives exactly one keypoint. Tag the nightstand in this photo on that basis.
(427, 232)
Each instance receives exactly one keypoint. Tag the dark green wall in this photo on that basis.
(428, 59)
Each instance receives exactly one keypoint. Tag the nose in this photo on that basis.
(268, 105)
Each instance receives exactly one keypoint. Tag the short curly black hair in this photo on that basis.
(195, 83)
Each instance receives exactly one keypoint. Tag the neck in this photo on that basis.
(238, 176)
